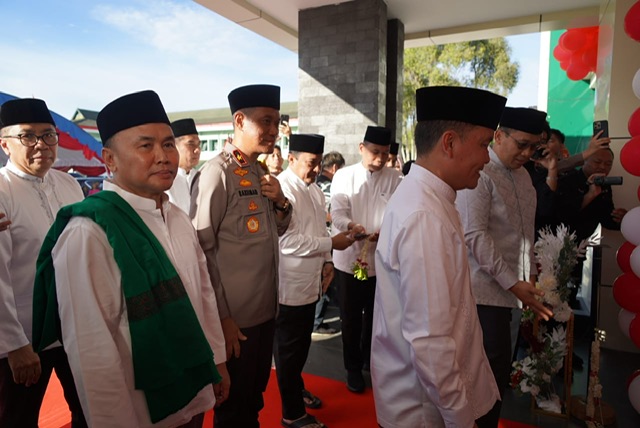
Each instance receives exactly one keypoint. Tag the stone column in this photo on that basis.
(343, 72)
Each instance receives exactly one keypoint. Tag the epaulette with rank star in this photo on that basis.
(239, 158)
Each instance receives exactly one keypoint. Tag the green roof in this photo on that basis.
(84, 117)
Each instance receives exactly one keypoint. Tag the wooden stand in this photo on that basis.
(565, 400)
(604, 412)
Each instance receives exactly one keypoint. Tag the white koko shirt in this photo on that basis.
(305, 246)
(360, 196)
(93, 313)
(31, 203)
(428, 365)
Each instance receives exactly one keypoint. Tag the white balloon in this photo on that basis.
(635, 260)
(630, 226)
(634, 393)
(624, 320)
(636, 83)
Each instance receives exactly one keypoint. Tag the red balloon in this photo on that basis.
(577, 70)
(574, 40)
(626, 292)
(623, 255)
(632, 22)
(561, 54)
(634, 123)
(630, 156)
(634, 330)
(590, 58)
(564, 65)
(632, 377)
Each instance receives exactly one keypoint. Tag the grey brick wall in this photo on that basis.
(342, 81)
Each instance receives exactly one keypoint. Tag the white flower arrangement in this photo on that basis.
(556, 254)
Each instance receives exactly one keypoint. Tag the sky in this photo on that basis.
(85, 53)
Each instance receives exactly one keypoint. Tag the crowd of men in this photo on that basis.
(168, 293)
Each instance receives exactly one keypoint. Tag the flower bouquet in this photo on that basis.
(360, 267)
(556, 254)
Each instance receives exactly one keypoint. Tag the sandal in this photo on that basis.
(310, 400)
(306, 421)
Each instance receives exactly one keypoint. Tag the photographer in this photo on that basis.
(585, 199)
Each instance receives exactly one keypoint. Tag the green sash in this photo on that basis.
(172, 360)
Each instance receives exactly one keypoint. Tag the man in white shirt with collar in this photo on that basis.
(428, 365)
(305, 272)
(359, 196)
(137, 311)
(31, 193)
(188, 144)
(498, 217)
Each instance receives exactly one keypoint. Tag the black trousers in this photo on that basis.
(496, 331)
(294, 325)
(249, 377)
(20, 405)
(356, 312)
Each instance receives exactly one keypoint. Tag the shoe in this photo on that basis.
(306, 420)
(355, 382)
(310, 400)
(325, 329)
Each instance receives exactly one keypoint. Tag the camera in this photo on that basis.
(607, 181)
(601, 125)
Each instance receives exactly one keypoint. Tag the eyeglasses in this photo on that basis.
(30, 140)
(522, 145)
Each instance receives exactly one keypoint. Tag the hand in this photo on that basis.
(526, 293)
(374, 237)
(549, 161)
(342, 240)
(284, 129)
(4, 224)
(327, 276)
(356, 229)
(221, 389)
(232, 337)
(618, 214)
(596, 143)
(25, 365)
(270, 187)
(594, 189)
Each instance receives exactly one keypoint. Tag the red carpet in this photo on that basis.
(341, 409)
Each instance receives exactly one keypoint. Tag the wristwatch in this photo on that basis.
(284, 208)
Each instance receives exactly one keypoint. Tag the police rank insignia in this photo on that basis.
(245, 183)
(253, 224)
(239, 157)
(240, 172)
(253, 206)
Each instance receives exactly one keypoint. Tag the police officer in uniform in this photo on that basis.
(240, 210)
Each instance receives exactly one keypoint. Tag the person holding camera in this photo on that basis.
(585, 198)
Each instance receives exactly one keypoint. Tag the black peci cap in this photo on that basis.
(25, 110)
(378, 135)
(456, 103)
(130, 110)
(184, 127)
(527, 120)
(254, 96)
(308, 143)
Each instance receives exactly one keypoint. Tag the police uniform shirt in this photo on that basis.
(238, 230)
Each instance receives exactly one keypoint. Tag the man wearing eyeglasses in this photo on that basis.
(498, 218)
(31, 193)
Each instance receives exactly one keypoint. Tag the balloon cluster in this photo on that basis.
(577, 51)
(626, 288)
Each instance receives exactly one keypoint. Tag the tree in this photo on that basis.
(484, 64)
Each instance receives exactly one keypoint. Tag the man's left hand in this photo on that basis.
(221, 390)
(327, 276)
(618, 214)
(270, 187)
